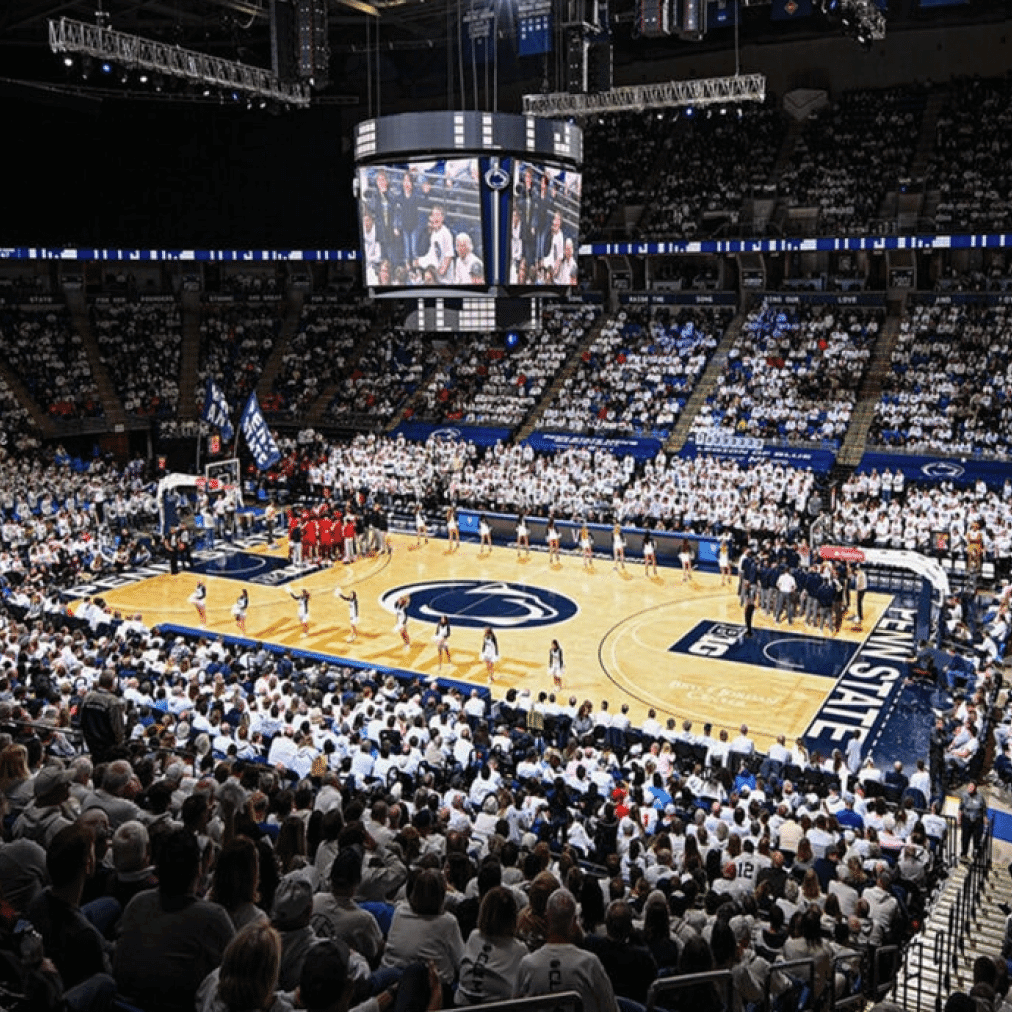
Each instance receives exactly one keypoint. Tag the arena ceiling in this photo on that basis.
(410, 33)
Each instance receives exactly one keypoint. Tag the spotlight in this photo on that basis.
(235, 96)
(512, 339)
(68, 61)
(107, 68)
(143, 78)
(690, 112)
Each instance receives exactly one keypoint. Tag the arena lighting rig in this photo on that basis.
(673, 94)
(134, 53)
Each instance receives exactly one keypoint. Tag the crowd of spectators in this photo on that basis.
(638, 372)
(49, 357)
(973, 151)
(327, 337)
(141, 344)
(851, 153)
(994, 275)
(236, 339)
(259, 283)
(949, 384)
(386, 373)
(619, 152)
(711, 161)
(18, 432)
(482, 380)
(793, 373)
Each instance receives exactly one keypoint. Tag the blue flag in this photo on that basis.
(216, 410)
(258, 437)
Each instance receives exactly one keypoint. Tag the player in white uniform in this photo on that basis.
(724, 560)
(556, 666)
(685, 558)
(442, 639)
(587, 547)
(649, 553)
(352, 600)
(401, 626)
(199, 601)
(484, 535)
(490, 652)
(617, 547)
(523, 535)
(452, 528)
(552, 537)
(239, 610)
(303, 611)
(421, 527)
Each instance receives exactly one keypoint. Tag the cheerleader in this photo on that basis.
(401, 625)
(523, 535)
(490, 652)
(484, 535)
(421, 527)
(239, 610)
(617, 548)
(199, 601)
(442, 639)
(586, 543)
(724, 560)
(685, 558)
(552, 537)
(452, 528)
(352, 600)
(649, 553)
(303, 600)
(555, 664)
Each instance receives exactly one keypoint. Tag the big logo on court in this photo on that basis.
(480, 603)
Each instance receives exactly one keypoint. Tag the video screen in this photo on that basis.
(546, 225)
(421, 223)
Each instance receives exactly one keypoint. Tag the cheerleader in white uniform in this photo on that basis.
(199, 601)
(484, 535)
(685, 558)
(421, 527)
(649, 553)
(617, 548)
(239, 610)
(724, 560)
(401, 625)
(452, 529)
(352, 600)
(442, 639)
(490, 652)
(555, 664)
(552, 537)
(523, 535)
(303, 600)
(587, 547)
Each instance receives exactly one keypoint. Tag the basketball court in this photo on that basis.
(659, 642)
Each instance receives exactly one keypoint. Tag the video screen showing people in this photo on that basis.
(421, 223)
(546, 225)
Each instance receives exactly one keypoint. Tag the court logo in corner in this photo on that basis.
(478, 603)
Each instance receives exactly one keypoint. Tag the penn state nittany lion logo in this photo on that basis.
(480, 603)
(942, 469)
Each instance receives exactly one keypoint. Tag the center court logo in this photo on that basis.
(479, 603)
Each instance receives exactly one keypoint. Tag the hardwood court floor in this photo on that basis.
(651, 642)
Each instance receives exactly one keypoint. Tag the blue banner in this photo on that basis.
(961, 298)
(478, 31)
(480, 435)
(216, 410)
(258, 436)
(534, 28)
(748, 452)
(721, 13)
(622, 446)
(677, 299)
(825, 299)
(920, 467)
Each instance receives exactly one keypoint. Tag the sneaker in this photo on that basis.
(1004, 908)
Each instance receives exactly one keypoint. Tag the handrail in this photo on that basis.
(671, 985)
(788, 968)
(852, 997)
(551, 1002)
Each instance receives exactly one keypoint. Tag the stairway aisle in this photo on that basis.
(189, 358)
(289, 328)
(112, 406)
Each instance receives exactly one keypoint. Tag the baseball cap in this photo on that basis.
(293, 902)
(49, 778)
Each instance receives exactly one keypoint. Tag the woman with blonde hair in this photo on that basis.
(247, 979)
(15, 779)
(490, 965)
